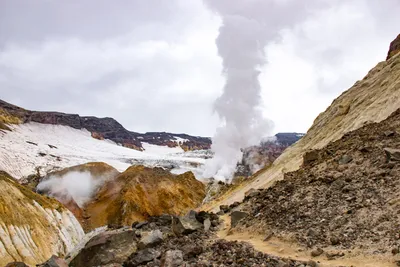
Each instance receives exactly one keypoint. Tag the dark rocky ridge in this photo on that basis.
(107, 128)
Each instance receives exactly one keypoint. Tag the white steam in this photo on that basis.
(247, 26)
(77, 186)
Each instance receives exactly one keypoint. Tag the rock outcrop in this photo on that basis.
(134, 195)
(140, 192)
(372, 99)
(33, 227)
(101, 128)
(394, 48)
(263, 155)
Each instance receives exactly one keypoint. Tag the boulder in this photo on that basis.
(172, 258)
(54, 261)
(110, 247)
(251, 193)
(150, 239)
(392, 154)
(317, 252)
(142, 256)
(310, 156)
(236, 216)
(164, 219)
(202, 216)
(192, 214)
(345, 159)
(185, 225)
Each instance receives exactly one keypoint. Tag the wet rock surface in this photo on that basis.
(345, 195)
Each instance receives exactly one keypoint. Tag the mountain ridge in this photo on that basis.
(106, 128)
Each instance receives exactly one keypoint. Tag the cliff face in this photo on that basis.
(372, 99)
(33, 227)
(103, 128)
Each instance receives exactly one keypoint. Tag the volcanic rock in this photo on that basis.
(172, 258)
(54, 261)
(349, 205)
(394, 48)
(236, 216)
(111, 247)
(143, 256)
(185, 225)
(150, 239)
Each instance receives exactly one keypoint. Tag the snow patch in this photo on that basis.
(33, 147)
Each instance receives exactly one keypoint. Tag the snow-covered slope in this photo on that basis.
(32, 147)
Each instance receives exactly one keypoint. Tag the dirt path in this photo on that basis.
(284, 249)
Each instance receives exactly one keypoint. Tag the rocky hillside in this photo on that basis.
(121, 198)
(371, 99)
(345, 196)
(101, 128)
(33, 227)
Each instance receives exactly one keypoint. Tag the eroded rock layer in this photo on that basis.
(33, 227)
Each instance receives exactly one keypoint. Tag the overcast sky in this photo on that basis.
(153, 64)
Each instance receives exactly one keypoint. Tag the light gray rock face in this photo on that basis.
(172, 258)
(150, 239)
(185, 225)
(207, 224)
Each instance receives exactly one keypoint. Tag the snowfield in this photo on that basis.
(33, 147)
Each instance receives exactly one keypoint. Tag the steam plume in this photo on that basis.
(77, 186)
(247, 26)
